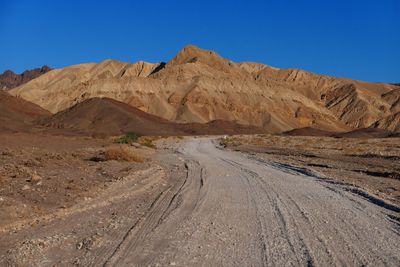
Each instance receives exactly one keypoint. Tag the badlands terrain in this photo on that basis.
(200, 86)
(199, 161)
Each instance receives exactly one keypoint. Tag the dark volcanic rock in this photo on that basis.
(17, 114)
(106, 117)
(9, 79)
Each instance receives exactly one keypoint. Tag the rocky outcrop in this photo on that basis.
(9, 79)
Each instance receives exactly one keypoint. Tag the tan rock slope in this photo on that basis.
(200, 86)
(391, 123)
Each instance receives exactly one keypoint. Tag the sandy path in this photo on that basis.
(235, 210)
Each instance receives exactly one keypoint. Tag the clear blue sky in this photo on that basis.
(355, 39)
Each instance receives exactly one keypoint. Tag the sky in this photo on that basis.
(354, 39)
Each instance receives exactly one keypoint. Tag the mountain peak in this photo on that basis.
(192, 54)
(195, 50)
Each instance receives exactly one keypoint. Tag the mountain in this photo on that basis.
(391, 123)
(199, 86)
(307, 131)
(107, 116)
(17, 114)
(9, 79)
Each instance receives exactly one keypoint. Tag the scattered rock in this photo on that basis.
(136, 145)
(86, 243)
(79, 245)
(32, 163)
(98, 158)
(34, 178)
(7, 152)
(26, 187)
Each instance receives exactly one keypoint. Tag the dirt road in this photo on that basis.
(217, 208)
(236, 210)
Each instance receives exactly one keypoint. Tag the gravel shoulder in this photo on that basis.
(82, 205)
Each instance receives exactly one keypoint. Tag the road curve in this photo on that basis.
(236, 210)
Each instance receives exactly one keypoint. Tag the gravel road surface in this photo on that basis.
(233, 209)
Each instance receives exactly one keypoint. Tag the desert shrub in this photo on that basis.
(228, 141)
(223, 142)
(128, 138)
(122, 153)
(147, 141)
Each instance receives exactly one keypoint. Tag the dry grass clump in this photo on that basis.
(128, 138)
(227, 141)
(122, 153)
(148, 141)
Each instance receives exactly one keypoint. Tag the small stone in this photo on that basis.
(26, 187)
(35, 178)
(79, 245)
(136, 145)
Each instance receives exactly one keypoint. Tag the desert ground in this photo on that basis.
(243, 200)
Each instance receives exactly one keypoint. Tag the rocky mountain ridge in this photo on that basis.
(200, 86)
(9, 79)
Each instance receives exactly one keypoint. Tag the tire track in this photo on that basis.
(169, 202)
(241, 211)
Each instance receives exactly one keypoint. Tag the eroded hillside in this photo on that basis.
(200, 86)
